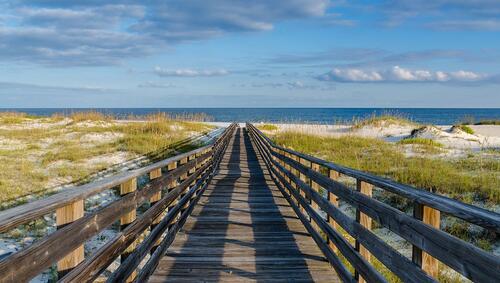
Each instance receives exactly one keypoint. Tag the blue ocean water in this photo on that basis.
(438, 116)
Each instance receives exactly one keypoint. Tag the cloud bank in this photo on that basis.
(189, 72)
(399, 75)
(89, 33)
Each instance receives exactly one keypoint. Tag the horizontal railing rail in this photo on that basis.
(300, 177)
(173, 188)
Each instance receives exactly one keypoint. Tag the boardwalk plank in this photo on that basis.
(243, 230)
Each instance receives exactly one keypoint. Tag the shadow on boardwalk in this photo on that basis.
(243, 229)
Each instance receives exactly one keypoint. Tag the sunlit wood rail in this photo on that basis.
(245, 209)
(312, 187)
(165, 201)
(243, 230)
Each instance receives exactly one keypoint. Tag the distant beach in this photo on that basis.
(435, 116)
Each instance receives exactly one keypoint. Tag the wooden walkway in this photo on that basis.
(243, 230)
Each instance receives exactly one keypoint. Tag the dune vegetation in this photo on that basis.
(38, 154)
(466, 179)
(385, 119)
(267, 127)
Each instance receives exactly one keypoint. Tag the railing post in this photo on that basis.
(303, 178)
(153, 199)
(192, 171)
(432, 217)
(296, 173)
(170, 187)
(127, 218)
(182, 178)
(316, 187)
(64, 216)
(333, 199)
(365, 221)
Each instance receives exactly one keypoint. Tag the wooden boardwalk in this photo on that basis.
(231, 195)
(243, 230)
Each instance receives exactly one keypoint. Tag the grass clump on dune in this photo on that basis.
(453, 178)
(12, 117)
(488, 122)
(465, 128)
(267, 127)
(421, 141)
(382, 120)
(89, 116)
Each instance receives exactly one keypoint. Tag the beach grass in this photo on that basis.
(267, 127)
(465, 128)
(41, 153)
(421, 141)
(457, 179)
(488, 122)
(384, 119)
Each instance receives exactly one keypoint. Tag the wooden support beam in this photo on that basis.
(154, 199)
(64, 216)
(365, 221)
(333, 199)
(432, 217)
(316, 188)
(303, 178)
(171, 187)
(182, 178)
(127, 218)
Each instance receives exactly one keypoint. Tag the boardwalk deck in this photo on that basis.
(242, 230)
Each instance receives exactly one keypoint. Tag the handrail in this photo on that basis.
(188, 174)
(300, 182)
(470, 213)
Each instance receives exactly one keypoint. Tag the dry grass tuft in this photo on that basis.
(385, 119)
(457, 179)
(90, 116)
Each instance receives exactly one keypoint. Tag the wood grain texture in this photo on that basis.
(25, 213)
(463, 257)
(66, 215)
(243, 229)
(127, 218)
(470, 213)
(433, 218)
(333, 199)
(364, 220)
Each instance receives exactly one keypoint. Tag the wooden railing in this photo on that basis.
(300, 177)
(174, 185)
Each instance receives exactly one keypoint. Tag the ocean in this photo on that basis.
(437, 116)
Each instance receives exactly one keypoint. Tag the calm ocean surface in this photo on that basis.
(440, 116)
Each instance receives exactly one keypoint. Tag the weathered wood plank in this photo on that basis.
(446, 248)
(243, 220)
(21, 214)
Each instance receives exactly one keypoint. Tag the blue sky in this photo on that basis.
(226, 53)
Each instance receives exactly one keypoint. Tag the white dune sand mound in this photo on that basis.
(387, 130)
(454, 137)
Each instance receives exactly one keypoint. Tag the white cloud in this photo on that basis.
(399, 74)
(29, 86)
(291, 85)
(189, 72)
(151, 84)
(75, 33)
(351, 75)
